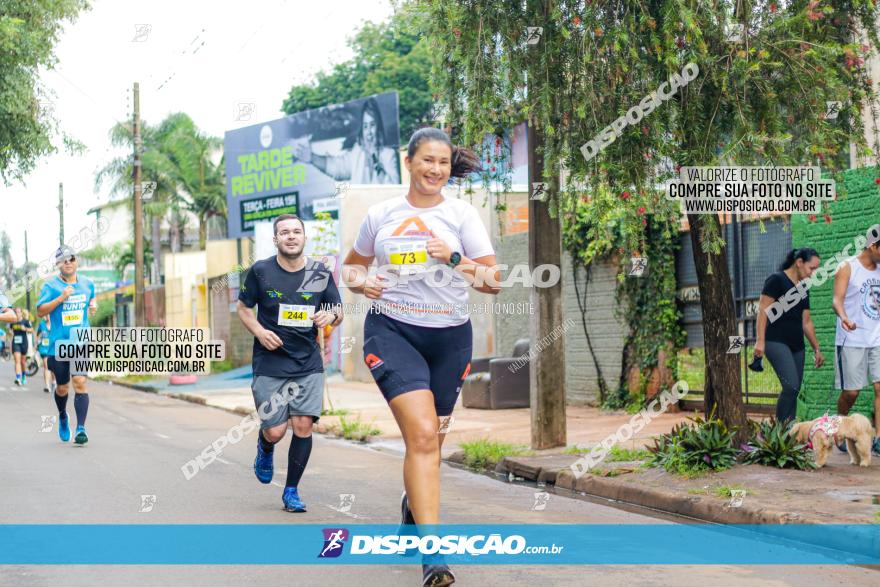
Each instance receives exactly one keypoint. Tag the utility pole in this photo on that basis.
(61, 214)
(138, 216)
(547, 367)
(27, 282)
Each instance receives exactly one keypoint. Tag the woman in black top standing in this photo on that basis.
(782, 340)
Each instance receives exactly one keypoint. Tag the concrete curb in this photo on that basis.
(202, 401)
(130, 385)
(698, 507)
(691, 506)
(859, 537)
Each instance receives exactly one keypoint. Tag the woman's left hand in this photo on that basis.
(818, 359)
(438, 249)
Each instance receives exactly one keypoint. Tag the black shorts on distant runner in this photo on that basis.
(403, 357)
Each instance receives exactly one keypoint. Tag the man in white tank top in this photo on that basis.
(857, 304)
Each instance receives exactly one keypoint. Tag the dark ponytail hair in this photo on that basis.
(464, 161)
(804, 254)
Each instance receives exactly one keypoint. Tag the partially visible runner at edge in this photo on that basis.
(43, 346)
(21, 330)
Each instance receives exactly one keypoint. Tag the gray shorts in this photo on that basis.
(279, 398)
(852, 366)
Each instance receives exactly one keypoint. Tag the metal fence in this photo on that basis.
(753, 253)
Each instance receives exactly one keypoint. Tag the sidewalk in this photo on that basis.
(586, 425)
(839, 493)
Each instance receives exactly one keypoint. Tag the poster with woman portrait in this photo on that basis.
(296, 164)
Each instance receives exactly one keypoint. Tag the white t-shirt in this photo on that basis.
(862, 305)
(396, 233)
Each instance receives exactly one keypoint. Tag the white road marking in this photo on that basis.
(160, 435)
(349, 514)
(277, 484)
(224, 461)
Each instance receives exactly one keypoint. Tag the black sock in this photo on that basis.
(297, 458)
(61, 402)
(265, 444)
(81, 405)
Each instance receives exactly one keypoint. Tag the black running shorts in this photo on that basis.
(403, 358)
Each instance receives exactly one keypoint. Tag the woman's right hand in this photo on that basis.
(374, 285)
(759, 349)
(302, 149)
(269, 340)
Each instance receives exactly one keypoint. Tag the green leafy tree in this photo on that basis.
(195, 167)
(758, 100)
(7, 267)
(187, 170)
(29, 31)
(387, 57)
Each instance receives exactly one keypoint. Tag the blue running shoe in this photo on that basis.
(81, 436)
(292, 502)
(64, 427)
(263, 466)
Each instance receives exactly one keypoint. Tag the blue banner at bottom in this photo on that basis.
(355, 544)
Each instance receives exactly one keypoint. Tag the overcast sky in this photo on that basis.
(204, 58)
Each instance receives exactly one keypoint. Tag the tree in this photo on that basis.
(387, 57)
(118, 255)
(194, 166)
(182, 161)
(119, 172)
(758, 100)
(7, 267)
(29, 31)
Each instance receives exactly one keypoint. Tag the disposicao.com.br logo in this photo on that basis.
(447, 544)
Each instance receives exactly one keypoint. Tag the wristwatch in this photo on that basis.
(454, 260)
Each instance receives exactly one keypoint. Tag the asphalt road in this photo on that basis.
(138, 442)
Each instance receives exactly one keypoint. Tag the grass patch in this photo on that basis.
(877, 517)
(619, 454)
(484, 453)
(691, 368)
(336, 412)
(726, 491)
(222, 366)
(125, 378)
(355, 429)
(577, 450)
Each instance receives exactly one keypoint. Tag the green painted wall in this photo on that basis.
(852, 214)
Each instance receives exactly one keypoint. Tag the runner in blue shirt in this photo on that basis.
(43, 347)
(67, 299)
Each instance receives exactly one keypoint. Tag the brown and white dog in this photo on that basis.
(822, 434)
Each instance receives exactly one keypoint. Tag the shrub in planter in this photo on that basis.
(773, 446)
(695, 446)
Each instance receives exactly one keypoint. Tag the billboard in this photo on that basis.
(292, 165)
